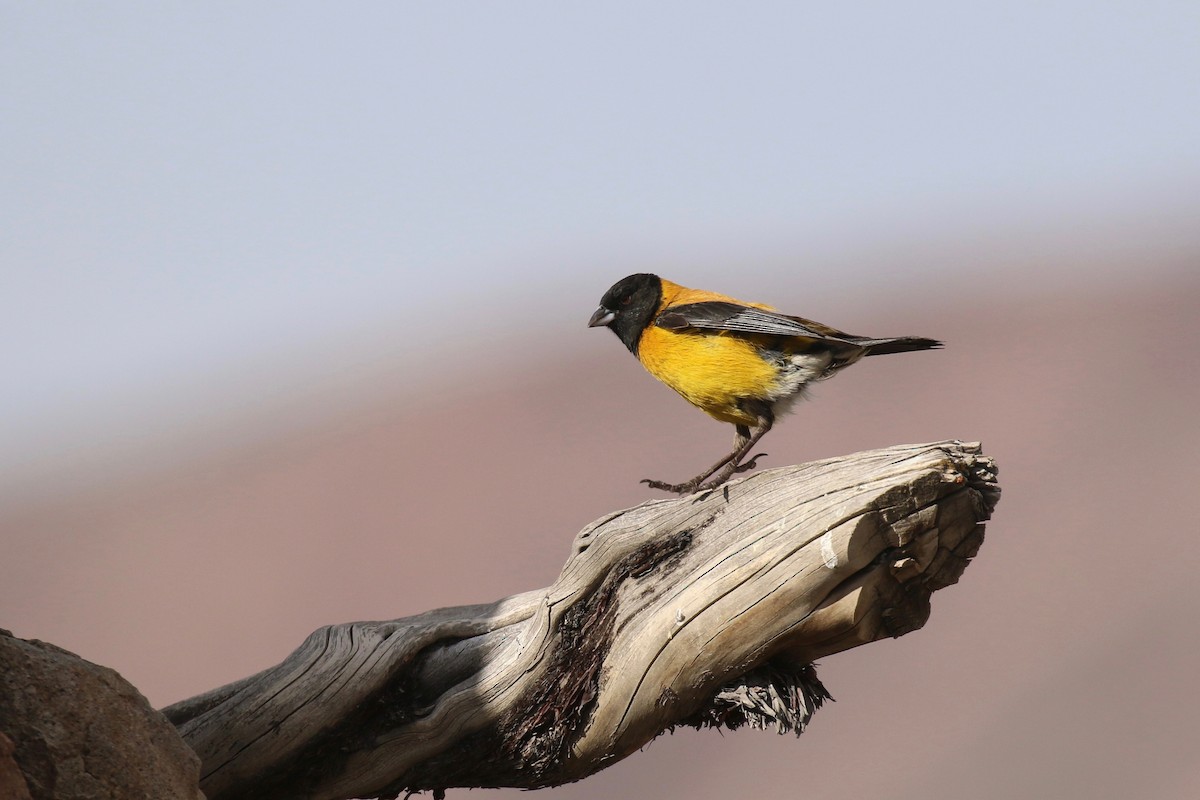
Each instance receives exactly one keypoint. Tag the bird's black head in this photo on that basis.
(628, 307)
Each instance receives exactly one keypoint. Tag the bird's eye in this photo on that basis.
(626, 301)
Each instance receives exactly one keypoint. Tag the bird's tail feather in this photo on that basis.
(899, 344)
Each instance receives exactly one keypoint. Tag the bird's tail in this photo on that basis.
(899, 344)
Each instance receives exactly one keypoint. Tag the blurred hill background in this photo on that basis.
(292, 323)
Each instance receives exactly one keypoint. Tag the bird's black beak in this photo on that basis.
(602, 317)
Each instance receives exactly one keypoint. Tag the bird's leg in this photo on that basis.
(743, 443)
(734, 465)
(738, 443)
(740, 439)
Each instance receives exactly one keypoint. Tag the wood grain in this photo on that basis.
(701, 610)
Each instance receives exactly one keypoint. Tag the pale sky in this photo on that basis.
(195, 190)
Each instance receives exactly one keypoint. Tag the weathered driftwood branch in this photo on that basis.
(698, 610)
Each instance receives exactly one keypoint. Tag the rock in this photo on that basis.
(80, 731)
(12, 782)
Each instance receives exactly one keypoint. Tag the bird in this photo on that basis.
(741, 363)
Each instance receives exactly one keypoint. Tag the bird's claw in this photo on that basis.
(749, 464)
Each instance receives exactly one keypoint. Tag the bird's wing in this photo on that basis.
(738, 318)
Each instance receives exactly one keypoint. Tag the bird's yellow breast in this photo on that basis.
(711, 371)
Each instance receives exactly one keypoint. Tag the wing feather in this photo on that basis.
(737, 318)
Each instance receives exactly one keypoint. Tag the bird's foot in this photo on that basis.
(687, 487)
(700, 484)
(749, 464)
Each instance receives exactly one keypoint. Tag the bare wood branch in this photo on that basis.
(698, 610)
